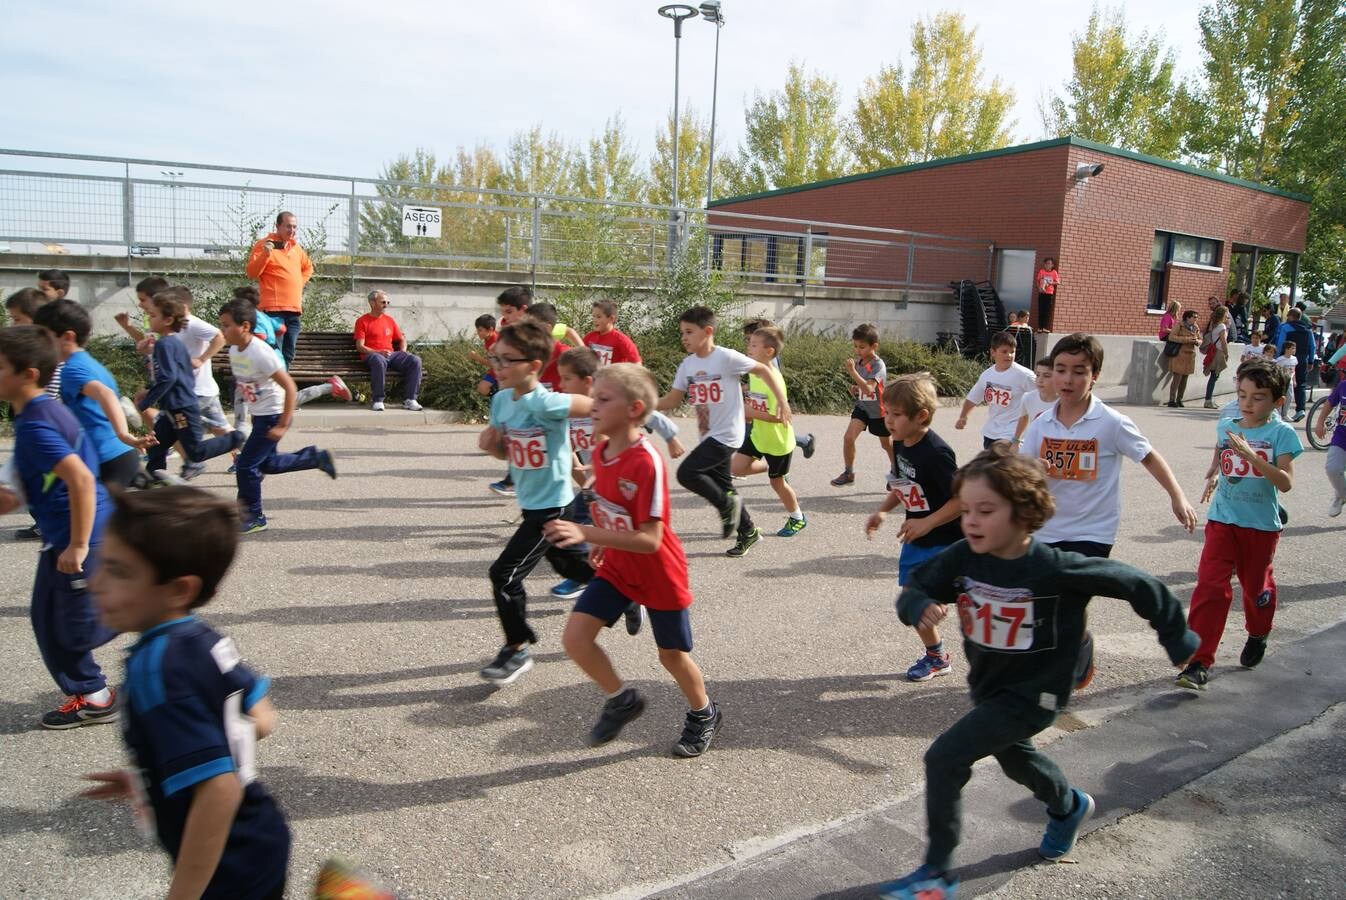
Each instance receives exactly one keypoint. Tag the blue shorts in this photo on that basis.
(672, 627)
(911, 559)
(489, 378)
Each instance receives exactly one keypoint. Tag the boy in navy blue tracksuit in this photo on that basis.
(193, 712)
(55, 470)
(173, 389)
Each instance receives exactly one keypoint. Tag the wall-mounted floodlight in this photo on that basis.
(1085, 171)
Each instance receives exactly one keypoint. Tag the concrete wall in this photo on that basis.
(433, 304)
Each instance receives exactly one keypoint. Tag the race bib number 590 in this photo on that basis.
(527, 448)
(701, 393)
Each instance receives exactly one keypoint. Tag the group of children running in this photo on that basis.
(1016, 542)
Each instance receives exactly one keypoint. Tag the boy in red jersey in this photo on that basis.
(637, 557)
(609, 344)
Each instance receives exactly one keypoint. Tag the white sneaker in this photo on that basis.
(412, 405)
(132, 414)
(377, 406)
(1334, 508)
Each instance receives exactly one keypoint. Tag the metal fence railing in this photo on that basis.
(136, 207)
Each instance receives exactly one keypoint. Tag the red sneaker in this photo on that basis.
(339, 389)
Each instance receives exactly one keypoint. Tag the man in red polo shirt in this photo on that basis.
(383, 347)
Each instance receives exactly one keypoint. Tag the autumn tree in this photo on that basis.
(693, 157)
(610, 168)
(1122, 90)
(942, 107)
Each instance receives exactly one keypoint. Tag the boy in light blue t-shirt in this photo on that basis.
(1253, 462)
(530, 428)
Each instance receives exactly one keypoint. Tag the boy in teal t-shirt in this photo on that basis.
(530, 428)
(1253, 461)
(770, 444)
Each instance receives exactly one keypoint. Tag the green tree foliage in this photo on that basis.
(1122, 91)
(693, 156)
(610, 169)
(943, 107)
(538, 163)
(794, 136)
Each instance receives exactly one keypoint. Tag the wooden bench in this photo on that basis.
(318, 355)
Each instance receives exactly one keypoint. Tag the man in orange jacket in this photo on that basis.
(281, 268)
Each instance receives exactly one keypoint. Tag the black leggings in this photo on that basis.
(705, 472)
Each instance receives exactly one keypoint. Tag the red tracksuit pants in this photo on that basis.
(1232, 550)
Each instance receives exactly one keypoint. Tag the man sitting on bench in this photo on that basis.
(382, 347)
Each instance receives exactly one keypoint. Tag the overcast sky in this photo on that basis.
(344, 86)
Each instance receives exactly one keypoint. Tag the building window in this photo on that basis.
(1177, 248)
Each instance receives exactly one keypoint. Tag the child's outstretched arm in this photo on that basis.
(670, 401)
(777, 387)
(215, 802)
(1182, 510)
(968, 406)
(107, 402)
(1147, 595)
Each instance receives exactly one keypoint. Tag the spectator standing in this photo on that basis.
(281, 268)
(1047, 279)
(382, 346)
(1296, 330)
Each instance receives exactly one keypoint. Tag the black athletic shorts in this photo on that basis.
(875, 425)
(776, 466)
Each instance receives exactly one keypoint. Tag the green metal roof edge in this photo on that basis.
(1010, 151)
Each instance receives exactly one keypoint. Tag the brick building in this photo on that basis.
(1127, 239)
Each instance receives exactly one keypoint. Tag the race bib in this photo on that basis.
(1070, 460)
(604, 354)
(527, 448)
(582, 434)
(913, 496)
(249, 389)
(998, 395)
(996, 624)
(704, 393)
(757, 402)
(609, 516)
(1234, 466)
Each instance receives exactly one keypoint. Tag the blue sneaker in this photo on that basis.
(254, 525)
(503, 487)
(191, 470)
(1059, 838)
(928, 667)
(568, 589)
(925, 883)
(327, 463)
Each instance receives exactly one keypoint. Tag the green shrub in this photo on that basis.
(118, 355)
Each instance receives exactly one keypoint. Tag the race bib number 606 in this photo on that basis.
(527, 448)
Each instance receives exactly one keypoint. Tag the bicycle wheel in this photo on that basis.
(1330, 425)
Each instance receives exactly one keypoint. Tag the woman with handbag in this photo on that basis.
(1216, 342)
(1167, 351)
(1183, 363)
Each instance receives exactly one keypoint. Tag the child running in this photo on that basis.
(486, 333)
(1037, 402)
(640, 559)
(529, 428)
(1021, 606)
(55, 474)
(269, 399)
(1002, 388)
(1080, 442)
(1253, 464)
(1335, 466)
(193, 712)
(769, 445)
(709, 377)
(867, 372)
(925, 470)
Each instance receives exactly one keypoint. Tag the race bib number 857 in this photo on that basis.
(1070, 460)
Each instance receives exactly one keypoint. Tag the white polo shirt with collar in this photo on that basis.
(1084, 470)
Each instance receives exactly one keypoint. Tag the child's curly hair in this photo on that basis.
(1018, 479)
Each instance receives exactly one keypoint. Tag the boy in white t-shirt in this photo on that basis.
(1038, 402)
(1002, 388)
(709, 377)
(1289, 362)
(1251, 349)
(1080, 442)
(269, 395)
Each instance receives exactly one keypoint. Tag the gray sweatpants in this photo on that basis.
(1336, 469)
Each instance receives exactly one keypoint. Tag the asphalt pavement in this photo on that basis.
(368, 605)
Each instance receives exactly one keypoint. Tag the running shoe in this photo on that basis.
(923, 884)
(339, 388)
(568, 589)
(30, 533)
(1334, 508)
(1061, 834)
(792, 527)
(1282, 514)
(377, 406)
(1253, 651)
(1195, 677)
(617, 712)
(338, 881)
(78, 710)
(503, 488)
(744, 543)
(929, 666)
(508, 665)
(327, 463)
(412, 405)
(729, 518)
(807, 444)
(635, 618)
(164, 477)
(191, 470)
(843, 479)
(697, 732)
(1084, 663)
(253, 525)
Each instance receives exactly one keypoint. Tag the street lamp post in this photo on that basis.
(678, 12)
(711, 12)
(173, 195)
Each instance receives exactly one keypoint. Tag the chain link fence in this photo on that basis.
(53, 203)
